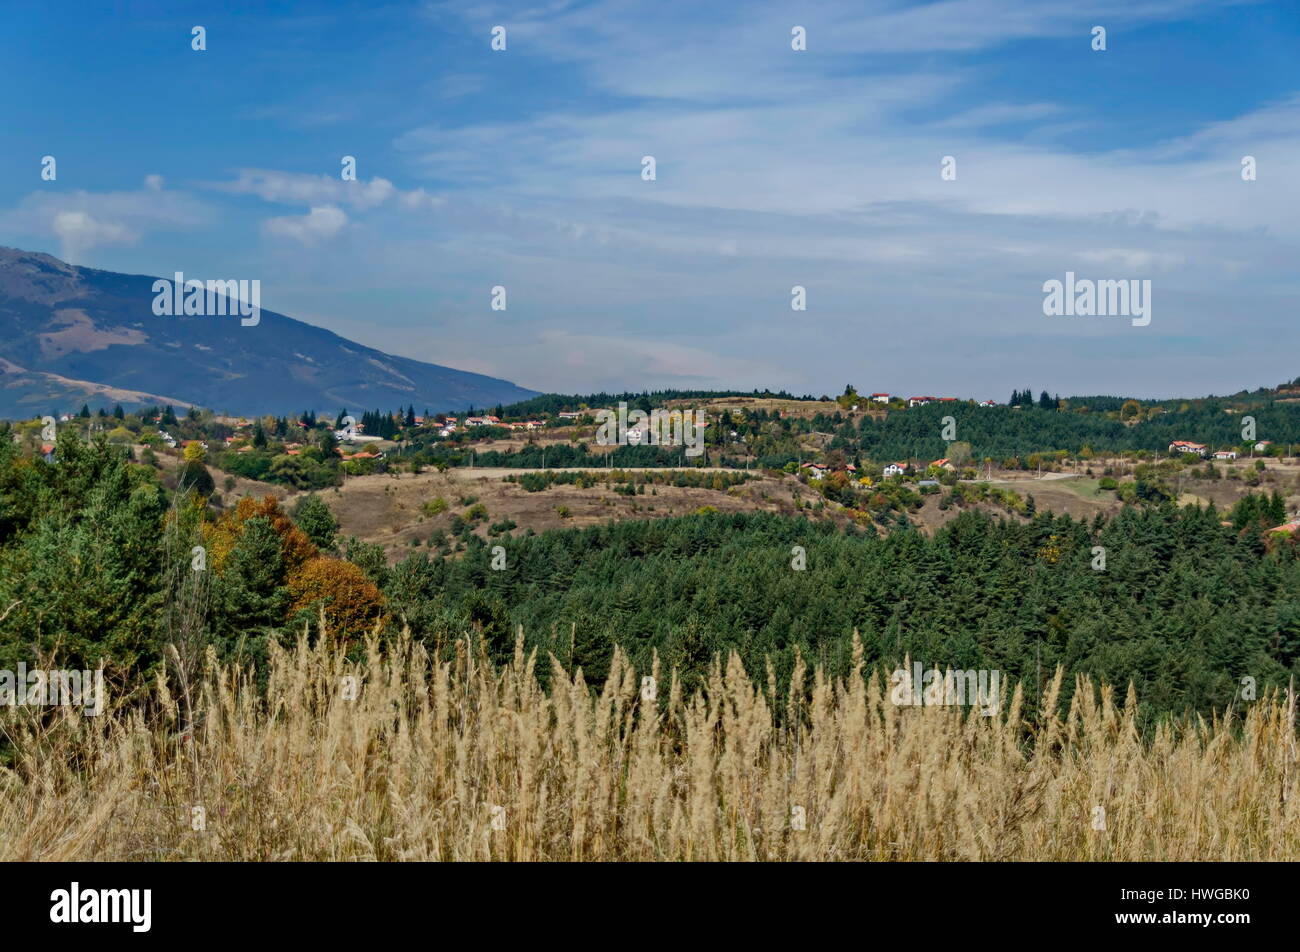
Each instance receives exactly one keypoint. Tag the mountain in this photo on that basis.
(72, 335)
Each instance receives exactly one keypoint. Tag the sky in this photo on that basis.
(775, 167)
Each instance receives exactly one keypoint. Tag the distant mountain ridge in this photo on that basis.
(71, 335)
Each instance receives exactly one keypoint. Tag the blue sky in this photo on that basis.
(775, 168)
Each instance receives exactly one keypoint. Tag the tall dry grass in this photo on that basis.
(413, 768)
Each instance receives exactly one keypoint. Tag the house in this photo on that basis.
(47, 452)
(1287, 527)
(944, 464)
(1185, 446)
(988, 403)
(947, 399)
(814, 470)
(1263, 445)
(570, 414)
(482, 421)
(445, 432)
(880, 398)
(895, 469)
(919, 401)
(1226, 454)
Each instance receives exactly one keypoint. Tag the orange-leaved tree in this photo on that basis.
(351, 602)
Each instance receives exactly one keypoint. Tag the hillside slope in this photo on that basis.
(70, 335)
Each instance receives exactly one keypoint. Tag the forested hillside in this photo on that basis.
(1001, 432)
(1185, 606)
(97, 559)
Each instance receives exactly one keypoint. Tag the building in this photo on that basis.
(919, 401)
(944, 464)
(1226, 454)
(1263, 445)
(895, 469)
(1186, 446)
(880, 398)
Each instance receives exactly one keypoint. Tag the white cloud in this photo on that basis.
(83, 220)
(79, 232)
(296, 188)
(321, 223)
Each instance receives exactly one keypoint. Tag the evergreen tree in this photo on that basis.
(314, 517)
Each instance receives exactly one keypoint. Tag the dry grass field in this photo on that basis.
(402, 757)
(387, 508)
